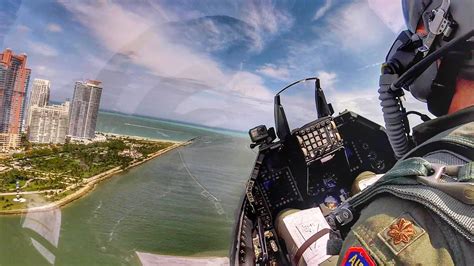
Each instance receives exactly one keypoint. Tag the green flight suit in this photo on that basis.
(435, 243)
(396, 231)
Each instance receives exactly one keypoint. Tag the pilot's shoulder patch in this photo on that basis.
(357, 256)
(401, 233)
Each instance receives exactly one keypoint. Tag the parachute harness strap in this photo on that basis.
(417, 180)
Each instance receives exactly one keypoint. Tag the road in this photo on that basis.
(28, 192)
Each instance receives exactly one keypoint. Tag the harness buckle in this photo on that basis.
(437, 171)
(462, 191)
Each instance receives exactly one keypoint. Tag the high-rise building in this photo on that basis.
(39, 96)
(14, 78)
(40, 92)
(48, 124)
(84, 109)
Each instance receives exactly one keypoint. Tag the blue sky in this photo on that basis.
(216, 63)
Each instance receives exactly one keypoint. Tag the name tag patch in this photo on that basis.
(357, 256)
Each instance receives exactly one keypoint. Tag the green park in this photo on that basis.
(58, 170)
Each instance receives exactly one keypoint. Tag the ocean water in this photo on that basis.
(182, 203)
(156, 128)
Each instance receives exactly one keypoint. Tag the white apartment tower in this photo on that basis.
(84, 109)
(39, 96)
(40, 92)
(49, 124)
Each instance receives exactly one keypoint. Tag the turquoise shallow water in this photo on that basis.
(156, 128)
(181, 203)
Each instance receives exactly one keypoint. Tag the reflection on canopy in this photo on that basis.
(45, 228)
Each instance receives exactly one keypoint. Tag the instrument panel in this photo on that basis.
(300, 176)
(315, 167)
(273, 181)
(366, 145)
(328, 177)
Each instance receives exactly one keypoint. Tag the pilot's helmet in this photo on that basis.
(435, 86)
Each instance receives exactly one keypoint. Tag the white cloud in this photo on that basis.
(44, 71)
(110, 23)
(300, 108)
(248, 85)
(360, 25)
(42, 49)
(354, 27)
(266, 19)
(122, 31)
(244, 114)
(390, 12)
(327, 79)
(245, 102)
(52, 27)
(365, 102)
(140, 36)
(323, 10)
(362, 101)
(276, 72)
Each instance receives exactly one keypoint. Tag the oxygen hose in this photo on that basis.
(390, 89)
(393, 115)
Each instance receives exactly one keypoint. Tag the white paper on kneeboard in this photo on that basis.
(304, 224)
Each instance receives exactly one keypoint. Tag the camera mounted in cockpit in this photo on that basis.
(261, 135)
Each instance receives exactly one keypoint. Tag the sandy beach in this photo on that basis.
(140, 138)
(91, 182)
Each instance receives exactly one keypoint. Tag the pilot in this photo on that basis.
(409, 216)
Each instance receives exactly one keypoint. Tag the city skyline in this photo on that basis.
(54, 123)
(25, 110)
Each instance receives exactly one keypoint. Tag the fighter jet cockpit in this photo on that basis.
(300, 173)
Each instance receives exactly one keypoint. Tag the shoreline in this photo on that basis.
(91, 182)
(140, 138)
